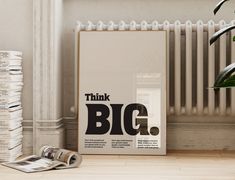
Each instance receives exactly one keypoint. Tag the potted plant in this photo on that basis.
(226, 77)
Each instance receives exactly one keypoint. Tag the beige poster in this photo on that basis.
(122, 92)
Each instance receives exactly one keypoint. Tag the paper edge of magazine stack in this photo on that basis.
(48, 158)
(11, 84)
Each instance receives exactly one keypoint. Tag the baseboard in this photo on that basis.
(202, 135)
(50, 132)
(28, 141)
(27, 137)
(71, 133)
(199, 133)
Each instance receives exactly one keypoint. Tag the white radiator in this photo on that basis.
(192, 64)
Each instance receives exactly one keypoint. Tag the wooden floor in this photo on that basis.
(176, 165)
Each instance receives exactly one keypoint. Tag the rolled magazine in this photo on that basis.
(49, 158)
(71, 158)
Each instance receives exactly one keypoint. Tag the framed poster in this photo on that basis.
(122, 92)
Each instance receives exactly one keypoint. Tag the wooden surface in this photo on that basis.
(176, 165)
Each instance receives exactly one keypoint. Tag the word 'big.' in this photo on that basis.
(98, 122)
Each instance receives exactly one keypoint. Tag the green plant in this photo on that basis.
(226, 78)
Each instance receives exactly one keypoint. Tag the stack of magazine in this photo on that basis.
(11, 83)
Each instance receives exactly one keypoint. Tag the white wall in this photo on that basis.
(16, 33)
(127, 10)
(16, 30)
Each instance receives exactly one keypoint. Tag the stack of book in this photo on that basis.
(11, 83)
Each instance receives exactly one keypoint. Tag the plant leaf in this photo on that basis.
(220, 32)
(229, 82)
(224, 75)
(233, 38)
(218, 6)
